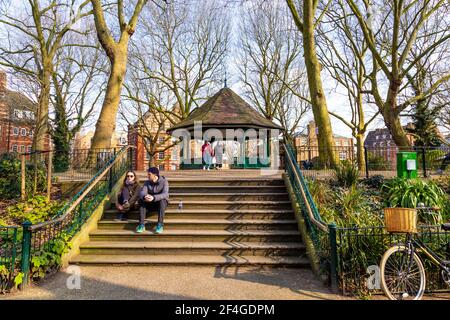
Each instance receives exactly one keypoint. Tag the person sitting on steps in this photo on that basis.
(128, 196)
(154, 196)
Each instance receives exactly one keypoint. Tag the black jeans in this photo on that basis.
(158, 206)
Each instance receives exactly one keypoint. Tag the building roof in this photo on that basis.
(226, 109)
(17, 100)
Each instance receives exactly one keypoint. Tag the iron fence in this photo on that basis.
(360, 251)
(350, 256)
(47, 171)
(10, 253)
(375, 160)
(21, 248)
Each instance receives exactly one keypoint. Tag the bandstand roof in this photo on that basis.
(225, 109)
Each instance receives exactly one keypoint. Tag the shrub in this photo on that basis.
(10, 173)
(37, 209)
(375, 182)
(346, 174)
(320, 191)
(48, 260)
(408, 193)
(377, 162)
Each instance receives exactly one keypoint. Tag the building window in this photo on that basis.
(23, 131)
(338, 143)
(161, 167)
(161, 140)
(147, 155)
(175, 154)
(18, 114)
(14, 148)
(31, 133)
(29, 148)
(22, 149)
(376, 137)
(161, 155)
(342, 155)
(15, 131)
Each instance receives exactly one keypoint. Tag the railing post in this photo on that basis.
(111, 173)
(49, 174)
(366, 161)
(333, 257)
(424, 162)
(130, 158)
(23, 175)
(26, 251)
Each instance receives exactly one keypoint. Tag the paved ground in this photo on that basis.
(137, 282)
(173, 283)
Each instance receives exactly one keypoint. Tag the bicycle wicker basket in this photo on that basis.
(403, 220)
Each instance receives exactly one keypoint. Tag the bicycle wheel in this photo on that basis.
(402, 278)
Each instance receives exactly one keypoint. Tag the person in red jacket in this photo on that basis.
(207, 155)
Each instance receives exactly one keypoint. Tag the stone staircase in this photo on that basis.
(226, 219)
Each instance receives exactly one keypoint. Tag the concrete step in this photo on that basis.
(235, 214)
(217, 181)
(235, 196)
(227, 204)
(190, 248)
(198, 188)
(200, 224)
(197, 235)
(211, 260)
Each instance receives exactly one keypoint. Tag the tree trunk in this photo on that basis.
(319, 104)
(41, 132)
(391, 116)
(106, 123)
(360, 151)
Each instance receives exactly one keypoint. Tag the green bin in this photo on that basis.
(406, 164)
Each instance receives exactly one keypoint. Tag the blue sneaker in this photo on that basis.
(159, 229)
(140, 228)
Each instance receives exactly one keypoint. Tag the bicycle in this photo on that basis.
(402, 272)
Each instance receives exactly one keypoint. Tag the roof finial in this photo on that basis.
(225, 81)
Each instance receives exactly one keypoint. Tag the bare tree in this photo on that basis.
(343, 51)
(307, 15)
(394, 30)
(34, 34)
(117, 53)
(77, 85)
(146, 110)
(271, 65)
(182, 46)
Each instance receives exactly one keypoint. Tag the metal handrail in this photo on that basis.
(319, 224)
(83, 192)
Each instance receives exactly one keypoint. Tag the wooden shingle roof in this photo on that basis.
(226, 109)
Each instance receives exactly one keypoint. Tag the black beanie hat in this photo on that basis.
(153, 170)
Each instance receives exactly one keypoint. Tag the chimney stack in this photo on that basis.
(2, 82)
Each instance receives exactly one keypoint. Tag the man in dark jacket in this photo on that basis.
(154, 196)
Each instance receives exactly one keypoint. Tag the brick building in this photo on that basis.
(139, 133)
(382, 148)
(17, 119)
(308, 146)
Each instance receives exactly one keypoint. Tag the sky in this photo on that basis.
(336, 101)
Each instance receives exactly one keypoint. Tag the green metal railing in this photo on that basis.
(346, 254)
(322, 235)
(10, 250)
(20, 245)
